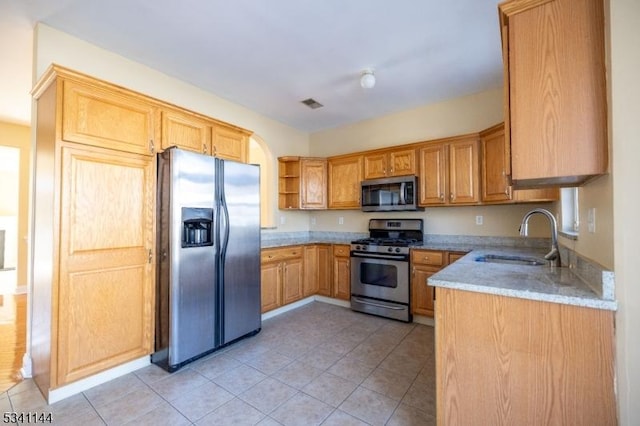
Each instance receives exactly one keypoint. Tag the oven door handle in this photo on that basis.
(380, 256)
(378, 305)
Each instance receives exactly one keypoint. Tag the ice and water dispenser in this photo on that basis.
(197, 227)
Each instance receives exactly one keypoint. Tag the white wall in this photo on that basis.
(625, 135)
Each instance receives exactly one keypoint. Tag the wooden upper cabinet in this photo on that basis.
(433, 174)
(302, 183)
(185, 131)
(388, 163)
(449, 172)
(345, 175)
(94, 115)
(463, 172)
(375, 165)
(495, 185)
(229, 143)
(495, 182)
(313, 173)
(555, 90)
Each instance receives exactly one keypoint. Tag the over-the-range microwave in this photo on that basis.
(390, 194)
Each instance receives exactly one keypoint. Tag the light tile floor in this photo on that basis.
(316, 365)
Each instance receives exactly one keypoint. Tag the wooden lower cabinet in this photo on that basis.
(508, 361)
(281, 276)
(317, 270)
(341, 272)
(424, 263)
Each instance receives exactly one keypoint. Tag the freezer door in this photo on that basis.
(240, 249)
(193, 262)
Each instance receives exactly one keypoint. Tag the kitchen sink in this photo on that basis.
(511, 259)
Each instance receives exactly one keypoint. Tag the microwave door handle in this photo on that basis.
(403, 191)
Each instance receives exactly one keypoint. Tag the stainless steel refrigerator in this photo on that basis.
(208, 241)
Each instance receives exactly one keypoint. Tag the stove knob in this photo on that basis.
(390, 249)
(397, 249)
(358, 248)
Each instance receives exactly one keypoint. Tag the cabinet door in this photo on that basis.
(341, 272)
(402, 162)
(421, 293)
(324, 270)
(495, 182)
(556, 90)
(463, 172)
(292, 277)
(270, 286)
(106, 277)
(311, 277)
(523, 371)
(375, 165)
(345, 175)
(185, 131)
(314, 184)
(433, 172)
(229, 143)
(99, 117)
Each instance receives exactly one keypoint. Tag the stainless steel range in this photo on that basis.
(380, 268)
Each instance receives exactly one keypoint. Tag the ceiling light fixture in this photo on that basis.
(367, 80)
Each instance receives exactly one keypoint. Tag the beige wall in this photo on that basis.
(452, 117)
(18, 136)
(625, 135)
(53, 46)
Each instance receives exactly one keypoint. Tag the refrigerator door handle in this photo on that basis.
(224, 225)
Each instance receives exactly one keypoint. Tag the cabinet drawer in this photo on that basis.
(342, 250)
(427, 257)
(278, 254)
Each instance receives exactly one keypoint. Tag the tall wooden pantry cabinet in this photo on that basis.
(93, 273)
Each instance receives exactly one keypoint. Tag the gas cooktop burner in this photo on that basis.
(401, 242)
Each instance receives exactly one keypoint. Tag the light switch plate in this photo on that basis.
(479, 220)
(591, 220)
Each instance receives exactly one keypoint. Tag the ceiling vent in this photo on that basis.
(312, 103)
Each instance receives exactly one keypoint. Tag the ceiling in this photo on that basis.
(270, 55)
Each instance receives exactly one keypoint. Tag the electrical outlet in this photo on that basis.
(591, 220)
(313, 221)
(479, 220)
(341, 220)
(283, 220)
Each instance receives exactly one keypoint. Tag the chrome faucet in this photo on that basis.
(554, 255)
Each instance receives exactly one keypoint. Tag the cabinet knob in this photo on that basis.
(204, 148)
(451, 197)
(152, 146)
(441, 197)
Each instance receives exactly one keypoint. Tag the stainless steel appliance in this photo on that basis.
(380, 268)
(208, 270)
(390, 194)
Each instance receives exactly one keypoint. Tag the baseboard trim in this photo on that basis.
(82, 385)
(302, 302)
(421, 319)
(287, 308)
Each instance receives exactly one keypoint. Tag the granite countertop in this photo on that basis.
(543, 283)
(584, 284)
